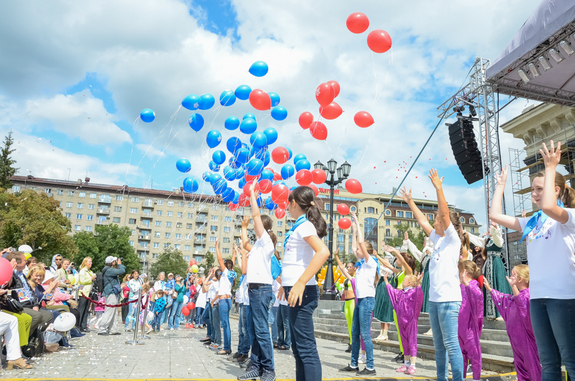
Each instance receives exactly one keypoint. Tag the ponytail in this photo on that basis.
(268, 225)
(305, 198)
(566, 194)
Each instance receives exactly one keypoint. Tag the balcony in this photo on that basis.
(147, 216)
(105, 211)
(144, 237)
(201, 220)
(105, 200)
(148, 204)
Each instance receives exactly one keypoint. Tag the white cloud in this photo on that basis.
(150, 151)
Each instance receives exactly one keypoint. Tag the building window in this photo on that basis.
(180, 214)
(178, 225)
(399, 213)
(144, 244)
(214, 218)
(279, 234)
(160, 202)
(178, 236)
(89, 217)
(170, 214)
(387, 222)
(92, 206)
(119, 198)
(226, 239)
(187, 248)
(190, 204)
(117, 208)
(132, 221)
(93, 195)
(16, 188)
(387, 233)
(341, 238)
(213, 228)
(408, 215)
(215, 207)
(133, 210)
(227, 229)
(213, 239)
(473, 230)
(371, 210)
(188, 226)
(327, 206)
(430, 217)
(190, 215)
(462, 219)
(280, 223)
(170, 203)
(158, 223)
(80, 205)
(131, 243)
(157, 234)
(371, 231)
(471, 221)
(180, 203)
(226, 250)
(78, 216)
(59, 192)
(88, 228)
(135, 199)
(167, 235)
(188, 236)
(186, 257)
(352, 208)
(212, 249)
(70, 193)
(159, 212)
(116, 220)
(81, 194)
(177, 247)
(68, 215)
(388, 212)
(168, 224)
(69, 204)
(77, 227)
(227, 219)
(156, 245)
(166, 245)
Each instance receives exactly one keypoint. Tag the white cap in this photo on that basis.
(110, 259)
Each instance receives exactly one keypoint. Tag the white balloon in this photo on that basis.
(25, 249)
(64, 322)
(150, 317)
(185, 299)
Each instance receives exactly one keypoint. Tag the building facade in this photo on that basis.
(192, 223)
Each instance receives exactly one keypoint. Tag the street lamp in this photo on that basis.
(333, 180)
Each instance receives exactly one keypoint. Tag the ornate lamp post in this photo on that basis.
(332, 181)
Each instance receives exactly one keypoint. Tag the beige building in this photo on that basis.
(192, 223)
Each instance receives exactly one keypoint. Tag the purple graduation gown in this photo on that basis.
(469, 327)
(407, 305)
(515, 311)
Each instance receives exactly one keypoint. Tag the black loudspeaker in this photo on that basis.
(466, 151)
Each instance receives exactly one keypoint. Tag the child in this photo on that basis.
(407, 304)
(515, 311)
(145, 303)
(159, 308)
(99, 310)
(470, 317)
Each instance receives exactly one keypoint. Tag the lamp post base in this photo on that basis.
(328, 295)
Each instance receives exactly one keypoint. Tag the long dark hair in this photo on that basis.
(268, 225)
(305, 198)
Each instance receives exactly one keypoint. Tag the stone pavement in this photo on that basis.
(179, 355)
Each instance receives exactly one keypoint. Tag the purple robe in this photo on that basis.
(469, 327)
(515, 311)
(407, 305)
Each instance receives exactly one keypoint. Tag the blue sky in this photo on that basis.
(73, 98)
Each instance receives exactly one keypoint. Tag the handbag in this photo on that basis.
(174, 294)
(10, 303)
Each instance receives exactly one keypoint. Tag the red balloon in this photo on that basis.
(191, 306)
(318, 130)
(343, 209)
(265, 186)
(363, 119)
(233, 207)
(283, 204)
(304, 177)
(280, 155)
(280, 213)
(280, 193)
(331, 111)
(260, 100)
(379, 41)
(305, 119)
(324, 94)
(250, 177)
(357, 23)
(193, 262)
(344, 223)
(319, 176)
(335, 86)
(5, 271)
(353, 186)
(247, 189)
(277, 176)
(185, 311)
(315, 190)
(244, 200)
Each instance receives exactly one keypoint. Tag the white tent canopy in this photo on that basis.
(539, 63)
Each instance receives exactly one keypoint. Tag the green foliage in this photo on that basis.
(417, 236)
(7, 168)
(170, 261)
(107, 240)
(34, 219)
(208, 261)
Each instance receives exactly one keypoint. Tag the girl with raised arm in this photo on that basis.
(260, 294)
(304, 255)
(550, 238)
(444, 289)
(227, 279)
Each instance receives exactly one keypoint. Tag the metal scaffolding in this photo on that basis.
(520, 183)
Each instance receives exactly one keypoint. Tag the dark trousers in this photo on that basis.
(198, 320)
(262, 350)
(125, 311)
(84, 310)
(207, 318)
(284, 335)
(304, 347)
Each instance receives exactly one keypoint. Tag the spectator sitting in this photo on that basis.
(9, 328)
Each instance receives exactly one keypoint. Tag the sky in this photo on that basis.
(75, 76)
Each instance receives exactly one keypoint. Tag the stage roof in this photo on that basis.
(546, 37)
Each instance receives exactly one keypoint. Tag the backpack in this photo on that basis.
(98, 284)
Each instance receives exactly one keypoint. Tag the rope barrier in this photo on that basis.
(98, 304)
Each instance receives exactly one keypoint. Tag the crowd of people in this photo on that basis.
(457, 278)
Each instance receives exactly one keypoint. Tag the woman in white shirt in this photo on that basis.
(134, 285)
(225, 297)
(550, 237)
(444, 283)
(304, 255)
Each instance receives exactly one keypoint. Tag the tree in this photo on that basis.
(34, 219)
(208, 261)
(7, 169)
(170, 261)
(417, 236)
(108, 240)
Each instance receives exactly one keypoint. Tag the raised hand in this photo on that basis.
(405, 194)
(435, 180)
(253, 188)
(245, 221)
(502, 177)
(551, 157)
(511, 281)
(420, 277)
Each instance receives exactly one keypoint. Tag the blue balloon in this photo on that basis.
(261, 153)
(267, 175)
(259, 69)
(248, 126)
(254, 167)
(258, 139)
(242, 183)
(231, 123)
(287, 171)
(271, 135)
(270, 204)
(236, 197)
(220, 186)
(233, 144)
(219, 157)
(267, 158)
(191, 102)
(213, 166)
(275, 98)
(190, 185)
(302, 164)
(299, 157)
(214, 138)
(207, 176)
(215, 178)
(229, 173)
(196, 121)
(249, 115)
(227, 98)
(147, 115)
(183, 165)
(243, 92)
(233, 163)
(242, 155)
(259, 201)
(240, 173)
(207, 101)
(279, 113)
(290, 153)
(228, 195)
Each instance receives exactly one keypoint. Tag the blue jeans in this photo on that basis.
(262, 349)
(274, 323)
(168, 310)
(361, 325)
(131, 318)
(199, 319)
(284, 336)
(444, 317)
(553, 323)
(304, 347)
(157, 321)
(244, 343)
(174, 321)
(225, 306)
(216, 327)
(207, 318)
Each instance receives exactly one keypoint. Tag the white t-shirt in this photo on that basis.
(298, 255)
(201, 300)
(444, 283)
(259, 261)
(550, 252)
(364, 279)
(213, 290)
(244, 292)
(159, 285)
(225, 284)
(275, 288)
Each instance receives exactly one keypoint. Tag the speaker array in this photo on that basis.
(465, 150)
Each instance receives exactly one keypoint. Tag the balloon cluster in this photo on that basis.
(379, 41)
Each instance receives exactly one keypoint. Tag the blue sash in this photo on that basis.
(534, 220)
(301, 219)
